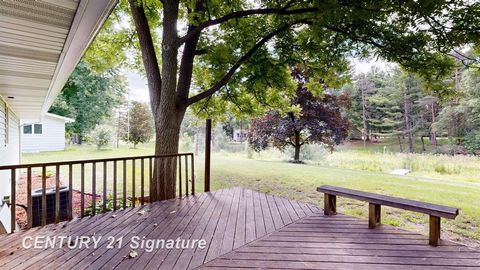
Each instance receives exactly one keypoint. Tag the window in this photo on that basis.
(37, 128)
(33, 129)
(27, 129)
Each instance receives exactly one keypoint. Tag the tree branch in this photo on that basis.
(186, 64)
(244, 13)
(149, 56)
(224, 80)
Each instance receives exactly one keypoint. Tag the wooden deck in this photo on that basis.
(243, 229)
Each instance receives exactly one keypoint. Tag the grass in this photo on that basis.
(455, 184)
(300, 181)
(454, 168)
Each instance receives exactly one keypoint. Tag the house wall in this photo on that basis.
(239, 135)
(9, 154)
(51, 139)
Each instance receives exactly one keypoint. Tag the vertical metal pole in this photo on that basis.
(208, 144)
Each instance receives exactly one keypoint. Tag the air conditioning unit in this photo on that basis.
(51, 200)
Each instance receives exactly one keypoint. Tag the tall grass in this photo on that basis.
(461, 168)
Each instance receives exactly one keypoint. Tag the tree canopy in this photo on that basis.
(138, 128)
(235, 55)
(315, 119)
(89, 98)
(215, 43)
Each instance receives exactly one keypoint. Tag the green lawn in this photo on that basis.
(299, 181)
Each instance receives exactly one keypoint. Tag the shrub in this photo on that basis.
(451, 149)
(101, 136)
(109, 205)
(472, 143)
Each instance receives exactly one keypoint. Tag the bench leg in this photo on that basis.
(434, 235)
(374, 215)
(330, 205)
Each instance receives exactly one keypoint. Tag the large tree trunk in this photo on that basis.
(167, 130)
(168, 113)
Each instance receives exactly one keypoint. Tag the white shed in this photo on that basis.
(46, 135)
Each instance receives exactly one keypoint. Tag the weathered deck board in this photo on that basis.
(326, 244)
(243, 229)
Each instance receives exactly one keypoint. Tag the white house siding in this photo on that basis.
(51, 139)
(9, 154)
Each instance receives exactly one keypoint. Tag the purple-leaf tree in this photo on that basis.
(320, 120)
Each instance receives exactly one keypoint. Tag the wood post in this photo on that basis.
(434, 235)
(13, 201)
(330, 204)
(374, 215)
(208, 144)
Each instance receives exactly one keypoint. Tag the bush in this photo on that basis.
(101, 136)
(472, 143)
(451, 149)
(109, 205)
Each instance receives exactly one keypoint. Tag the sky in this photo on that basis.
(138, 90)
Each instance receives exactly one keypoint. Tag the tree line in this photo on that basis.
(401, 105)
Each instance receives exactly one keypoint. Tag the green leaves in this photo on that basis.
(419, 35)
(89, 97)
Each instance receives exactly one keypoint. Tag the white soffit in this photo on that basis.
(40, 44)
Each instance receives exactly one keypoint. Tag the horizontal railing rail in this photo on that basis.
(110, 174)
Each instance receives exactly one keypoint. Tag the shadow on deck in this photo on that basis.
(242, 229)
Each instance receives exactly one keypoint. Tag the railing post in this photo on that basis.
(82, 190)
(94, 189)
(180, 177)
(29, 198)
(114, 185)
(13, 200)
(208, 144)
(57, 193)
(142, 188)
(70, 191)
(44, 196)
(104, 206)
(193, 174)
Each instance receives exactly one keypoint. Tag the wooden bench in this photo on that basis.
(376, 201)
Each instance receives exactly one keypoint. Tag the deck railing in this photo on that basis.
(111, 175)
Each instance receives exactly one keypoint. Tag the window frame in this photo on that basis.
(34, 129)
(31, 129)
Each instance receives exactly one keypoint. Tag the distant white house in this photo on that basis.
(240, 135)
(46, 135)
